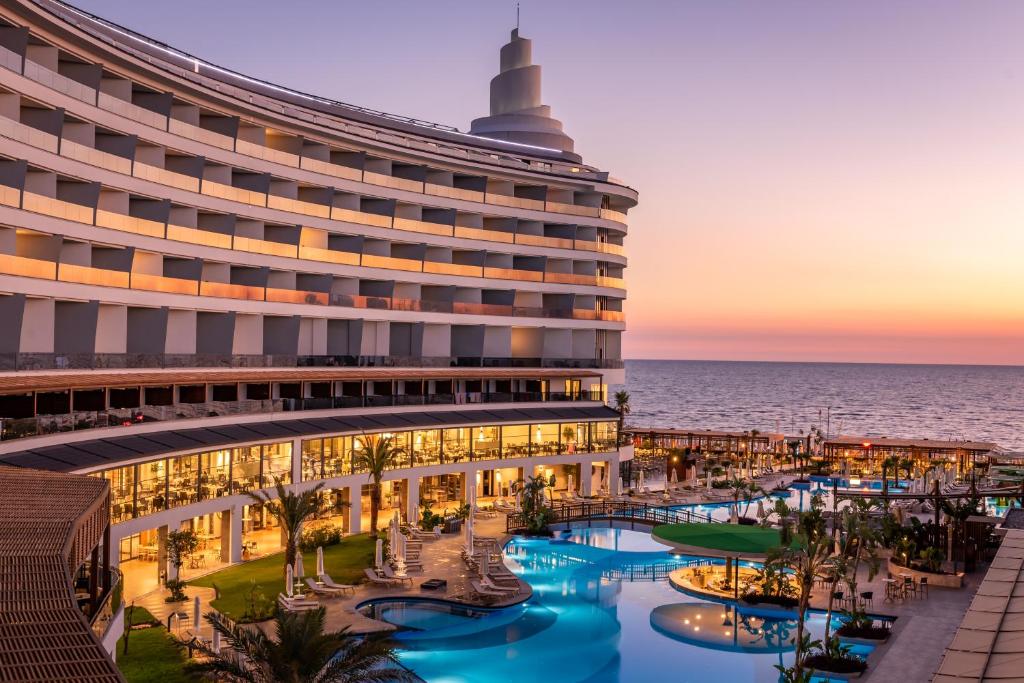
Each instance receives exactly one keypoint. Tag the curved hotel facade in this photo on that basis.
(208, 282)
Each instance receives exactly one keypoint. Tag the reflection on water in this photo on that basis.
(601, 612)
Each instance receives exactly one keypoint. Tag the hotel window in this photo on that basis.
(313, 459)
(215, 474)
(544, 439)
(486, 443)
(456, 444)
(152, 487)
(183, 487)
(277, 463)
(337, 456)
(515, 441)
(426, 447)
(603, 436)
(403, 442)
(245, 469)
(122, 492)
(574, 437)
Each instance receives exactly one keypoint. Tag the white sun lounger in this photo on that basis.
(324, 590)
(329, 582)
(295, 604)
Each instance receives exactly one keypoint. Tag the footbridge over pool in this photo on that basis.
(637, 514)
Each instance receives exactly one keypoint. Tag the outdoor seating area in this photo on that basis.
(900, 587)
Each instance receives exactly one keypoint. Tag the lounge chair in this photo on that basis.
(389, 574)
(483, 591)
(480, 512)
(377, 579)
(324, 590)
(329, 582)
(295, 604)
(487, 583)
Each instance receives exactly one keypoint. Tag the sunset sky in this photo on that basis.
(818, 181)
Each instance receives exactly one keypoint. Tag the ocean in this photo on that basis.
(980, 403)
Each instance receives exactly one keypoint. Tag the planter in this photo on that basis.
(844, 668)
(834, 675)
(940, 580)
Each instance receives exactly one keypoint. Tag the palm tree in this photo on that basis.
(301, 653)
(622, 405)
(374, 455)
(291, 510)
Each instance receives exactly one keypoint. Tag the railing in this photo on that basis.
(600, 510)
(40, 425)
(98, 361)
(109, 604)
(640, 571)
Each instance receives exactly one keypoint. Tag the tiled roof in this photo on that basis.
(49, 522)
(934, 444)
(989, 645)
(79, 455)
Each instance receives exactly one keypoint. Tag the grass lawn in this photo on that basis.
(152, 657)
(344, 562)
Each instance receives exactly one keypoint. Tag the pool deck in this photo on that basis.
(442, 559)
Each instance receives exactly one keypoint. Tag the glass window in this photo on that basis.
(312, 459)
(338, 456)
(574, 437)
(122, 492)
(426, 447)
(456, 444)
(183, 485)
(486, 443)
(215, 474)
(515, 441)
(152, 487)
(544, 439)
(403, 442)
(245, 469)
(277, 463)
(603, 436)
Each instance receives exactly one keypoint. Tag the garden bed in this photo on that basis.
(848, 667)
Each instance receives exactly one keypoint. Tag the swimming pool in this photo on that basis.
(601, 612)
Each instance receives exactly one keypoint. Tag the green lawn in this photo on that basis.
(730, 538)
(344, 562)
(152, 658)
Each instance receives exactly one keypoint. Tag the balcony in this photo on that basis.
(20, 428)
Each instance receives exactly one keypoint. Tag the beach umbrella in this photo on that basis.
(760, 510)
(216, 642)
(485, 559)
(709, 480)
(572, 484)
(378, 558)
(732, 473)
(195, 615)
(640, 480)
(519, 500)
(289, 580)
(734, 515)
(300, 570)
(620, 485)
(674, 478)
(320, 561)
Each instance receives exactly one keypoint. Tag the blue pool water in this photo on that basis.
(601, 612)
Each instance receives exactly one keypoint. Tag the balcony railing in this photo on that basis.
(41, 425)
(110, 602)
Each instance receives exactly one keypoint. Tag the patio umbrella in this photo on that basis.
(216, 641)
(289, 579)
(620, 486)
(320, 561)
(709, 480)
(378, 558)
(674, 477)
(519, 499)
(640, 480)
(732, 473)
(195, 615)
(485, 559)
(572, 484)
(469, 534)
(760, 510)
(300, 570)
(734, 515)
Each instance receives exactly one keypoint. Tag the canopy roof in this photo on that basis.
(719, 540)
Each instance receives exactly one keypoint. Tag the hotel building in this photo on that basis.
(209, 282)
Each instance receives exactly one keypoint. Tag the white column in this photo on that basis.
(469, 485)
(586, 479)
(355, 510)
(412, 499)
(162, 559)
(234, 524)
(296, 460)
(613, 477)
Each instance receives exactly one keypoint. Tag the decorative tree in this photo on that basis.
(181, 544)
(375, 455)
(622, 406)
(291, 510)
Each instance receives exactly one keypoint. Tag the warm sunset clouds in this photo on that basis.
(819, 181)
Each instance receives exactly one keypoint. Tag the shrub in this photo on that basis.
(781, 600)
(177, 588)
(320, 536)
